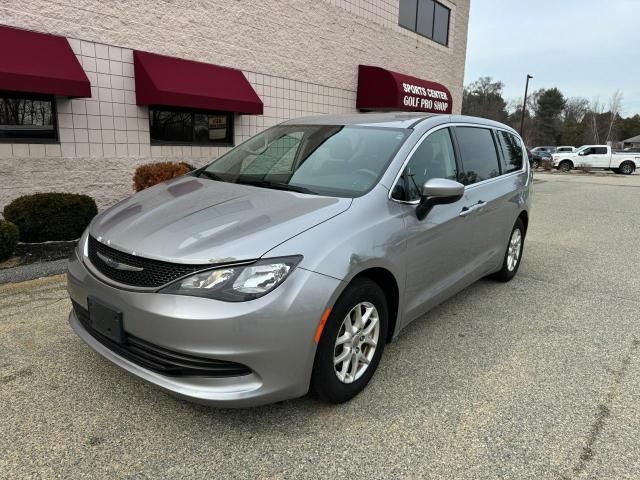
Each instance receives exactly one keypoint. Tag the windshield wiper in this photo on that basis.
(211, 176)
(277, 186)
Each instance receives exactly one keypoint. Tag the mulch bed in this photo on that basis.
(39, 252)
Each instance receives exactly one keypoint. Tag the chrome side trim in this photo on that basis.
(525, 162)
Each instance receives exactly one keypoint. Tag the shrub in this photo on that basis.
(9, 235)
(150, 174)
(51, 216)
(188, 165)
(584, 168)
(547, 165)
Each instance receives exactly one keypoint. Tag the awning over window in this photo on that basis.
(40, 63)
(176, 82)
(381, 89)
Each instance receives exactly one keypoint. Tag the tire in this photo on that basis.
(535, 164)
(627, 168)
(509, 270)
(565, 166)
(326, 384)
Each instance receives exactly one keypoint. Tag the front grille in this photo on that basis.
(154, 273)
(159, 359)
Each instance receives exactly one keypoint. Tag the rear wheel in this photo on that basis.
(565, 166)
(627, 168)
(513, 255)
(352, 343)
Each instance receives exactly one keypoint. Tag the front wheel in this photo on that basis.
(565, 166)
(627, 168)
(535, 164)
(513, 255)
(351, 344)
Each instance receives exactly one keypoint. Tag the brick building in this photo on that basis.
(89, 90)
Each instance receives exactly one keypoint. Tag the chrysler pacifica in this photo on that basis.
(288, 263)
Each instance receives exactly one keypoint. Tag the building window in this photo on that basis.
(195, 127)
(427, 18)
(27, 118)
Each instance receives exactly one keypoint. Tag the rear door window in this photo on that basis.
(600, 150)
(478, 154)
(511, 152)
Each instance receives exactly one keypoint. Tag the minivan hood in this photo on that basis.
(194, 220)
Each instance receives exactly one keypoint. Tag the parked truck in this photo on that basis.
(597, 157)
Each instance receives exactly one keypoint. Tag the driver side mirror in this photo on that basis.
(438, 191)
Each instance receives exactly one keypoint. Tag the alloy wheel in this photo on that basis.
(356, 343)
(515, 246)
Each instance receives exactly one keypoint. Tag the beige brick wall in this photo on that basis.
(301, 56)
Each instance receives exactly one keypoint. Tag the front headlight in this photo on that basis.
(236, 284)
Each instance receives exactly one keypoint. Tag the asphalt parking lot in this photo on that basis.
(538, 378)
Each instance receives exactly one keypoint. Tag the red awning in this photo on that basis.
(40, 63)
(381, 89)
(176, 82)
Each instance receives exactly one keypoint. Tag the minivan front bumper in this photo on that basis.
(273, 336)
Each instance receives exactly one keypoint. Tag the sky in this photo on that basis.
(586, 48)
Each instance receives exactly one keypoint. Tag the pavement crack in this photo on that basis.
(22, 373)
(603, 412)
(52, 302)
(577, 289)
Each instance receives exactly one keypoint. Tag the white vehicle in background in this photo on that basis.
(565, 149)
(597, 156)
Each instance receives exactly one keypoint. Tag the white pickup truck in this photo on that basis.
(597, 156)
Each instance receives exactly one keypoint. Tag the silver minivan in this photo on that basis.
(288, 263)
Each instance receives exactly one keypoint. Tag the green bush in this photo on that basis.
(51, 216)
(9, 234)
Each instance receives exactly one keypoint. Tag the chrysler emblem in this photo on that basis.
(117, 265)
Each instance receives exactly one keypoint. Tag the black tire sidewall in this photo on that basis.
(324, 383)
(504, 274)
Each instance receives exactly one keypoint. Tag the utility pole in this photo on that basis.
(524, 105)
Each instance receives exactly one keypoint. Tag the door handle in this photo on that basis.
(473, 208)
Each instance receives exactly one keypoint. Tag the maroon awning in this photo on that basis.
(381, 89)
(40, 63)
(176, 82)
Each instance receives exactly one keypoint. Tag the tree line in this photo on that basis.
(550, 117)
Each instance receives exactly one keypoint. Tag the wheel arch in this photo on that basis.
(389, 285)
(524, 216)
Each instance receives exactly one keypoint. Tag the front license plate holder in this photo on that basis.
(106, 320)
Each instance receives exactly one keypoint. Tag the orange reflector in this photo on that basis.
(323, 321)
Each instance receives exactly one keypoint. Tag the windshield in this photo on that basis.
(320, 159)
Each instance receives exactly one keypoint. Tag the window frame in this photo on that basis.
(433, 24)
(229, 141)
(414, 149)
(54, 118)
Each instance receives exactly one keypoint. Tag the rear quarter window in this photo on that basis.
(478, 154)
(511, 152)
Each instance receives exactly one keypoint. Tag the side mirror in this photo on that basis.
(438, 191)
